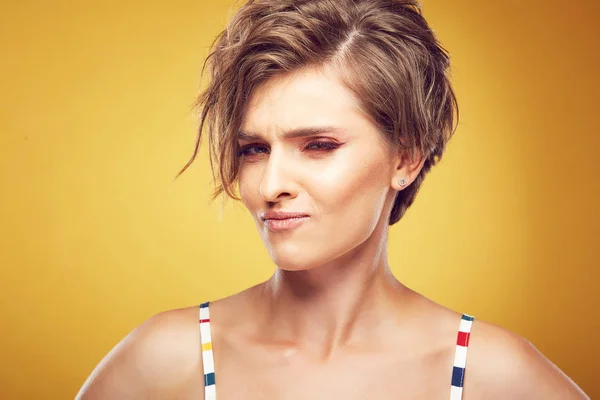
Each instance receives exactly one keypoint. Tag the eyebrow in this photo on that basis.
(294, 133)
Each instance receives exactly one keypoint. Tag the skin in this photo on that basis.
(332, 322)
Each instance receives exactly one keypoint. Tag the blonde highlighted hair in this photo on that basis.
(383, 50)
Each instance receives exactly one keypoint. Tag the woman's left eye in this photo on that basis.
(322, 145)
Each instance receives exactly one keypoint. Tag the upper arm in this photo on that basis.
(157, 359)
(504, 365)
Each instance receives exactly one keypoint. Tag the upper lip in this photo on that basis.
(281, 215)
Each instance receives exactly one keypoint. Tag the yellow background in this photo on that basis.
(95, 121)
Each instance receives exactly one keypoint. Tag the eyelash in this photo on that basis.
(322, 146)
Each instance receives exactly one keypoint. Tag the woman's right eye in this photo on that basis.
(252, 149)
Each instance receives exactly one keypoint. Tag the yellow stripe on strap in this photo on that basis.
(206, 346)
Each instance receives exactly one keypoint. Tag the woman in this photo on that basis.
(324, 116)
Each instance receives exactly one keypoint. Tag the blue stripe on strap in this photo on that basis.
(457, 376)
(209, 379)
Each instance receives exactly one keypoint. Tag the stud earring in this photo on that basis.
(402, 182)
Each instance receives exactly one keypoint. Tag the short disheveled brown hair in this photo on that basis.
(383, 51)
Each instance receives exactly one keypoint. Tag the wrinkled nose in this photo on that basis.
(277, 181)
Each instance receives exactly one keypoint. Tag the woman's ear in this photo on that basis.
(407, 167)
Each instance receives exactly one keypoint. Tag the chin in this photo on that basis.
(288, 262)
(294, 258)
(297, 258)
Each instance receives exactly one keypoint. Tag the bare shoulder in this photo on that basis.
(502, 365)
(158, 359)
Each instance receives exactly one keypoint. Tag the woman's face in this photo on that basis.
(307, 149)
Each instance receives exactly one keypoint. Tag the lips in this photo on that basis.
(281, 215)
(283, 220)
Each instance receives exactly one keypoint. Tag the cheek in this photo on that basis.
(247, 193)
(363, 185)
(350, 204)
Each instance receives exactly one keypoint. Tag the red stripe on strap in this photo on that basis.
(463, 339)
(205, 320)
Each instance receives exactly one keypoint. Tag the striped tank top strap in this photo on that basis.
(460, 357)
(207, 353)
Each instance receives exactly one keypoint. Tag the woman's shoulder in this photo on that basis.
(160, 357)
(502, 364)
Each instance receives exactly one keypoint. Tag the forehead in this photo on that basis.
(306, 97)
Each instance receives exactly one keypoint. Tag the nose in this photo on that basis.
(277, 181)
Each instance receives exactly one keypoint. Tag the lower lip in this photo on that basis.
(277, 225)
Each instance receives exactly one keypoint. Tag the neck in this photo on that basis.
(334, 304)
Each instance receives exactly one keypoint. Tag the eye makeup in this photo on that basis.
(314, 146)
